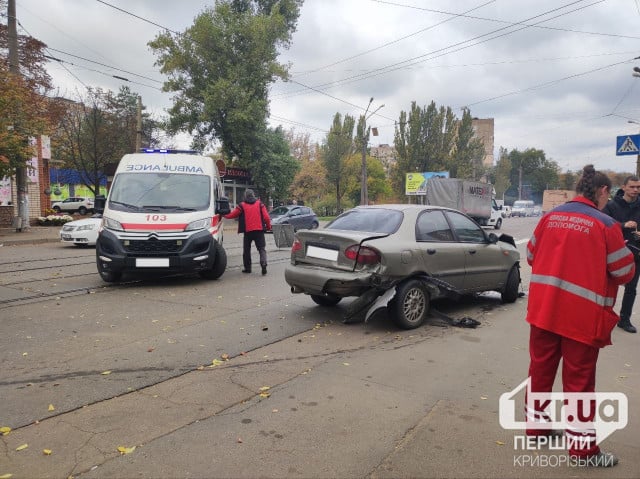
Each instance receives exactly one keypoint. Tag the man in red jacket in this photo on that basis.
(253, 221)
(578, 258)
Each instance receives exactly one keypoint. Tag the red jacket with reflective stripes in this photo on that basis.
(578, 258)
(253, 216)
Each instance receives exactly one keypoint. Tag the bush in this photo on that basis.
(54, 220)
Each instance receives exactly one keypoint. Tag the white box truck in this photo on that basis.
(160, 216)
(471, 197)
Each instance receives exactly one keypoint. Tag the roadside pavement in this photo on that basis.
(326, 403)
(34, 235)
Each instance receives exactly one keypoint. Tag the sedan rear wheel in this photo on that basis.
(410, 305)
(325, 300)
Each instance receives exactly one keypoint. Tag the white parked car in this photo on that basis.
(80, 204)
(82, 232)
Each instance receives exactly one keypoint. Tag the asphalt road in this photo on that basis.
(240, 378)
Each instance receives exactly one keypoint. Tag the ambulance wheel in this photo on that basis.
(410, 305)
(510, 291)
(325, 300)
(498, 224)
(219, 266)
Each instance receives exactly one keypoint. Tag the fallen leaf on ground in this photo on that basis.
(105, 373)
(6, 476)
(4, 430)
(500, 443)
(265, 388)
(215, 362)
(225, 356)
(21, 447)
(51, 408)
(126, 450)
(47, 452)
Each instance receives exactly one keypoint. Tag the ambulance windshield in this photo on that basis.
(160, 191)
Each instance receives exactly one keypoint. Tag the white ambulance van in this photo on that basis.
(160, 217)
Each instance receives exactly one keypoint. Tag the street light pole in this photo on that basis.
(364, 193)
(638, 159)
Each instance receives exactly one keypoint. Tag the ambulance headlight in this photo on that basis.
(199, 224)
(111, 224)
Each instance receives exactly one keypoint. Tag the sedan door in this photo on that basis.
(442, 255)
(485, 265)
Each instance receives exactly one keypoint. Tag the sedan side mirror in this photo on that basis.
(493, 238)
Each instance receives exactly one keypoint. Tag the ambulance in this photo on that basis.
(160, 217)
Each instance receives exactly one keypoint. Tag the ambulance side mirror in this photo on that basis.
(222, 206)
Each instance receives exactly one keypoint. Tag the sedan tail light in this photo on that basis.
(297, 246)
(362, 254)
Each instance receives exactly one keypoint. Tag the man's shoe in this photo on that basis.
(628, 327)
(246, 271)
(264, 270)
(602, 459)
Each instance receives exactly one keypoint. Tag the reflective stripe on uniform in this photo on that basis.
(573, 289)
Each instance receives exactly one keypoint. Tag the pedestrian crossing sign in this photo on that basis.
(627, 145)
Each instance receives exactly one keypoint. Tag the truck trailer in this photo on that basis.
(471, 197)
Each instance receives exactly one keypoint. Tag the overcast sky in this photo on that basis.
(554, 74)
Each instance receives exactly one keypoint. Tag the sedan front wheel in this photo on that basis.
(410, 305)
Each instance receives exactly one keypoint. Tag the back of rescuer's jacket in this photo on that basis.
(578, 258)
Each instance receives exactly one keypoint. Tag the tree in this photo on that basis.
(532, 173)
(338, 146)
(220, 70)
(310, 183)
(98, 129)
(466, 161)
(272, 166)
(377, 185)
(26, 111)
(501, 174)
(424, 140)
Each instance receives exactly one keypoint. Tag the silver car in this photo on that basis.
(408, 254)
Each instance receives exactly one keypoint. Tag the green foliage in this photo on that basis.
(425, 140)
(466, 161)
(501, 174)
(337, 147)
(532, 173)
(271, 164)
(220, 70)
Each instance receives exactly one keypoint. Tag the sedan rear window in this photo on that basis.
(374, 220)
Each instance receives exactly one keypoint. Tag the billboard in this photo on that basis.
(416, 183)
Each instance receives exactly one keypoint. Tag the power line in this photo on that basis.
(138, 17)
(443, 51)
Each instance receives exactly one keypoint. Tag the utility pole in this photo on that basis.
(21, 171)
(139, 125)
(364, 194)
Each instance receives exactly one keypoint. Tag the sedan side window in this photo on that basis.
(466, 229)
(432, 226)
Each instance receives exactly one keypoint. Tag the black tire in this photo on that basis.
(82, 210)
(219, 266)
(410, 305)
(498, 224)
(314, 225)
(511, 288)
(56, 209)
(106, 275)
(328, 300)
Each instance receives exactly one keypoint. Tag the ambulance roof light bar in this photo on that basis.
(167, 150)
